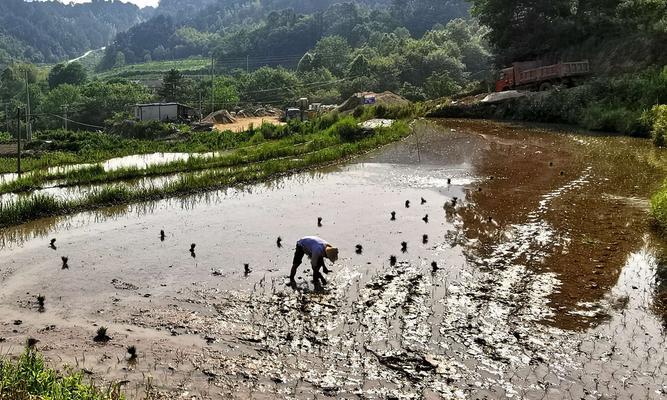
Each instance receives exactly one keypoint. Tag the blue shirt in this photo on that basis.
(315, 247)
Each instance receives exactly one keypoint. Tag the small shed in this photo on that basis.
(163, 112)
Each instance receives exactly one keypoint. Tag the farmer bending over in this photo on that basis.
(317, 249)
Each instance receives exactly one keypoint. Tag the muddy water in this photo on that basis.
(545, 284)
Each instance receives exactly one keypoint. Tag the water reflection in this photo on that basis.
(17, 235)
(139, 161)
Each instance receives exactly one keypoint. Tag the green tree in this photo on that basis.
(101, 100)
(55, 101)
(73, 73)
(269, 85)
(175, 87)
(332, 53)
(306, 63)
(119, 60)
(225, 92)
(441, 85)
(359, 67)
(525, 29)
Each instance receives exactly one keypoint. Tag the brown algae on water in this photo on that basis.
(557, 295)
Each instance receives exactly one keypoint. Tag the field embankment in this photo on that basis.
(270, 151)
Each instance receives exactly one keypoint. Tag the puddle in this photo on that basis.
(545, 284)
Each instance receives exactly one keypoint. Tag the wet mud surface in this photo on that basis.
(545, 285)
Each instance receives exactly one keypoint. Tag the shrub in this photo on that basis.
(327, 120)
(256, 138)
(5, 137)
(658, 120)
(348, 130)
(147, 130)
(603, 117)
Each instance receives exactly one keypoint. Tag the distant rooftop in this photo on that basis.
(161, 104)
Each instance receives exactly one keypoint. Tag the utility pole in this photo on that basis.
(212, 85)
(18, 141)
(28, 131)
(65, 109)
(247, 64)
(7, 116)
(200, 107)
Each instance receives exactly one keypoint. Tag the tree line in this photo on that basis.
(273, 28)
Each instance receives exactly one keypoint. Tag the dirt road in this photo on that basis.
(544, 286)
(243, 124)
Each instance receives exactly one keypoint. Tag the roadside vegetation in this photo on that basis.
(29, 378)
(272, 151)
(623, 103)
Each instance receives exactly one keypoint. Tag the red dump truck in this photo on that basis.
(532, 75)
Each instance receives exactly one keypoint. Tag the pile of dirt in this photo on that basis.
(225, 117)
(259, 111)
(387, 99)
(220, 117)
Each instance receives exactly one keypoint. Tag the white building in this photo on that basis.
(163, 112)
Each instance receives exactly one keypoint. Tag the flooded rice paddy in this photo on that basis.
(544, 284)
(139, 161)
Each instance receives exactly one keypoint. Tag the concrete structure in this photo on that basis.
(163, 112)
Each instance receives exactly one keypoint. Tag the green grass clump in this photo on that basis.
(659, 207)
(28, 378)
(30, 208)
(657, 118)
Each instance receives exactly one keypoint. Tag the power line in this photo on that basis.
(75, 122)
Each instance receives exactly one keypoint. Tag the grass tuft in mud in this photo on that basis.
(101, 335)
(131, 353)
(40, 302)
(28, 378)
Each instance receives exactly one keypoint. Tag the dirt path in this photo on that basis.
(243, 124)
(518, 307)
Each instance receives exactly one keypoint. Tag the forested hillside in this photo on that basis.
(280, 29)
(51, 31)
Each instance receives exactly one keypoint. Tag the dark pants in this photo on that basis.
(298, 258)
